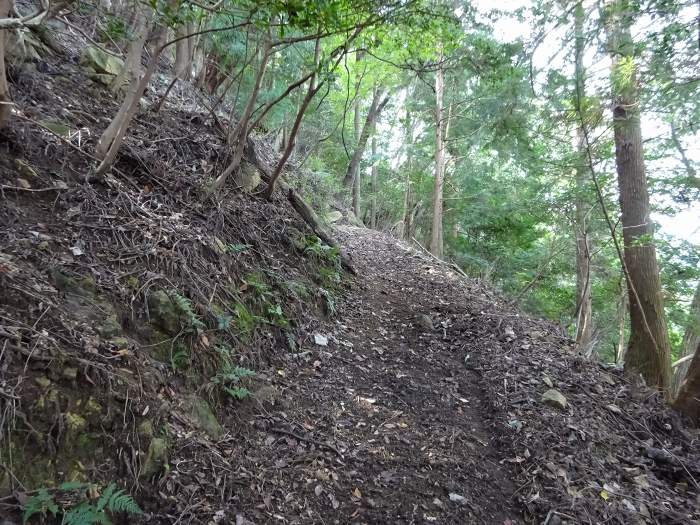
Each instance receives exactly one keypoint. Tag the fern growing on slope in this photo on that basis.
(111, 501)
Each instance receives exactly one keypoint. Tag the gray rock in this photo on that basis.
(554, 398)
(334, 216)
(101, 62)
(156, 457)
(248, 177)
(164, 313)
(202, 417)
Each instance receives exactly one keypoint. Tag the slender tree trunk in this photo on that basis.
(649, 348)
(5, 100)
(621, 321)
(691, 340)
(113, 136)
(356, 172)
(184, 51)
(374, 174)
(584, 305)
(132, 65)
(311, 92)
(689, 168)
(436, 236)
(240, 133)
(406, 219)
(374, 110)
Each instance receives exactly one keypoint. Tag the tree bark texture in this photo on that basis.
(621, 323)
(132, 64)
(357, 128)
(691, 340)
(184, 51)
(289, 148)
(406, 217)
(240, 133)
(648, 350)
(688, 399)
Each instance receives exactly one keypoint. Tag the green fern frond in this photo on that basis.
(184, 305)
(237, 392)
(120, 501)
(112, 500)
(85, 514)
(40, 503)
(105, 496)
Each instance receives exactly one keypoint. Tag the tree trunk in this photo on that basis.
(436, 238)
(184, 51)
(406, 219)
(240, 133)
(132, 64)
(311, 92)
(621, 318)
(5, 100)
(357, 128)
(648, 350)
(688, 399)
(373, 205)
(584, 306)
(691, 340)
(111, 139)
(374, 110)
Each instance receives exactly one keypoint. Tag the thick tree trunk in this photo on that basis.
(691, 340)
(373, 204)
(374, 110)
(584, 305)
(648, 350)
(436, 236)
(5, 100)
(688, 399)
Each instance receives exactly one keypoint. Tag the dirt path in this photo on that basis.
(385, 424)
(423, 434)
(391, 421)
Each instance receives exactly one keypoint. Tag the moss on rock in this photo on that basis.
(203, 417)
(156, 457)
(164, 312)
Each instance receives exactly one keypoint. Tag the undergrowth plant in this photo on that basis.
(266, 299)
(229, 376)
(87, 511)
(184, 305)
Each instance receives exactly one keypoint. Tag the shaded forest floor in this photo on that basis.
(429, 392)
(412, 395)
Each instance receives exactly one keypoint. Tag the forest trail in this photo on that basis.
(406, 430)
(388, 420)
(418, 444)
